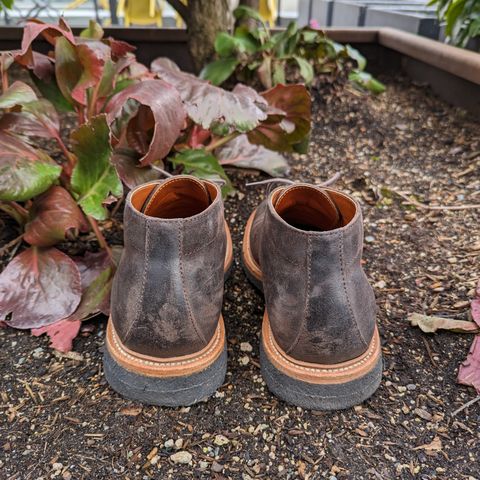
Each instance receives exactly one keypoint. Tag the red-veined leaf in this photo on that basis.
(241, 153)
(53, 215)
(18, 93)
(212, 107)
(38, 287)
(24, 171)
(126, 162)
(37, 119)
(161, 117)
(61, 333)
(295, 102)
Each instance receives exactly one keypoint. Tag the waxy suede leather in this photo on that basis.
(320, 304)
(168, 290)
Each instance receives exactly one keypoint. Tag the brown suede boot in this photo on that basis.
(165, 341)
(320, 345)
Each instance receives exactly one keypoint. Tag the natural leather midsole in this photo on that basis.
(320, 373)
(248, 259)
(229, 251)
(165, 367)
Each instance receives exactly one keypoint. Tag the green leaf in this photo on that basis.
(278, 72)
(246, 41)
(306, 69)
(243, 11)
(354, 54)
(225, 44)
(49, 89)
(24, 171)
(202, 164)
(219, 70)
(18, 93)
(94, 30)
(94, 177)
(366, 81)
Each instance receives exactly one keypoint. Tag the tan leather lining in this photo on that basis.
(248, 259)
(320, 373)
(308, 207)
(165, 367)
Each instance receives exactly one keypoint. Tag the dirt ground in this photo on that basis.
(60, 420)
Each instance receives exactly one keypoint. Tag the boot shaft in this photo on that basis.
(167, 293)
(308, 242)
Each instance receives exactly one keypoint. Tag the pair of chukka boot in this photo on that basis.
(166, 342)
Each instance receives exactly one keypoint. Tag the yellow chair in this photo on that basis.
(268, 10)
(141, 12)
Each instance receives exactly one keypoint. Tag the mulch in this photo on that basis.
(60, 420)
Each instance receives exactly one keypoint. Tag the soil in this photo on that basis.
(59, 419)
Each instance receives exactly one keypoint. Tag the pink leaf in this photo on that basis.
(61, 333)
(469, 370)
(476, 306)
(39, 287)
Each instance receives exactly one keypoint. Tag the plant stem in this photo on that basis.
(68, 155)
(221, 141)
(101, 239)
(4, 79)
(16, 211)
(11, 244)
(93, 102)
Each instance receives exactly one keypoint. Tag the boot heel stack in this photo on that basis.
(320, 346)
(165, 341)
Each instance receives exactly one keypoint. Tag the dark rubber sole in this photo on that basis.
(319, 397)
(167, 392)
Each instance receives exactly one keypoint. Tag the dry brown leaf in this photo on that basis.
(430, 324)
(131, 411)
(431, 448)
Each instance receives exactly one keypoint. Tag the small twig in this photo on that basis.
(10, 244)
(117, 206)
(434, 207)
(468, 404)
(101, 239)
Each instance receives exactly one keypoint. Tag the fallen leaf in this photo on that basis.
(469, 370)
(475, 305)
(431, 448)
(131, 411)
(61, 334)
(430, 324)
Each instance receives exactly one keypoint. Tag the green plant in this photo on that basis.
(253, 53)
(6, 4)
(462, 19)
(131, 124)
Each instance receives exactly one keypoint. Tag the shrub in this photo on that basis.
(462, 19)
(131, 125)
(253, 54)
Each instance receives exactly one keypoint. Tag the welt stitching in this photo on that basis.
(349, 305)
(144, 279)
(184, 288)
